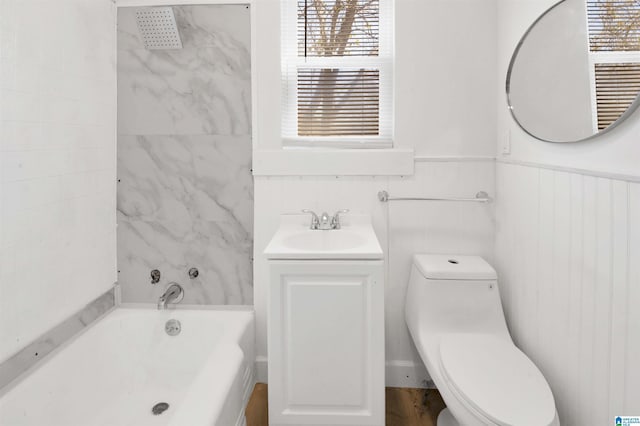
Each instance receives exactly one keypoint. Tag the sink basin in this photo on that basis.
(324, 240)
(294, 240)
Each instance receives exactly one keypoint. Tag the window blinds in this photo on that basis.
(338, 102)
(617, 86)
(614, 45)
(337, 73)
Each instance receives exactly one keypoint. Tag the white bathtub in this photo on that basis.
(117, 370)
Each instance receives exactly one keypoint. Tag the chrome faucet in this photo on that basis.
(325, 222)
(173, 294)
(335, 220)
(315, 220)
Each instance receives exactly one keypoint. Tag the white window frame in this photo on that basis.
(602, 57)
(290, 62)
(607, 57)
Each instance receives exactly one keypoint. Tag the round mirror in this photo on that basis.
(576, 72)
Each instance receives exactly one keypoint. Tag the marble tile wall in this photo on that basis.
(185, 189)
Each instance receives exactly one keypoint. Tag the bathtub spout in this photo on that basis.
(173, 294)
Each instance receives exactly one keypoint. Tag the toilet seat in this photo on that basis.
(495, 378)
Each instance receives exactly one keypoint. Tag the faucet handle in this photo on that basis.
(335, 221)
(315, 220)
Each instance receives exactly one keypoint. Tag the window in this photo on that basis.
(614, 55)
(336, 66)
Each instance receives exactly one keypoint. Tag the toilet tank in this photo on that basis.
(453, 294)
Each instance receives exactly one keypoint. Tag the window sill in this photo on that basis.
(333, 162)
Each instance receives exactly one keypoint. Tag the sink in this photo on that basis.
(330, 285)
(324, 240)
(294, 240)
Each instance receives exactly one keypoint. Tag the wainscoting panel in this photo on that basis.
(567, 249)
(631, 343)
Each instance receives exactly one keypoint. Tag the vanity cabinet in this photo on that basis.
(326, 342)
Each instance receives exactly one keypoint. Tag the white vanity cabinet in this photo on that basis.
(326, 335)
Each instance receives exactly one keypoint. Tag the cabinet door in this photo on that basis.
(326, 343)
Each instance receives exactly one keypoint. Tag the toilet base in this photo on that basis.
(445, 418)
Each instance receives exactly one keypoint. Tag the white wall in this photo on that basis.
(57, 162)
(444, 104)
(567, 244)
(430, 227)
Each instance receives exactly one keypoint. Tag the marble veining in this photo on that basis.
(198, 25)
(219, 250)
(203, 88)
(185, 188)
(186, 201)
(177, 179)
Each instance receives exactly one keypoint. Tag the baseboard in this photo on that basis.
(262, 375)
(407, 374)
(398, 374)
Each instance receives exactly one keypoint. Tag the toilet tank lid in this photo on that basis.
(454, 267)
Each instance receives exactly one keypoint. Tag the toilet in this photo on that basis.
(455, 317)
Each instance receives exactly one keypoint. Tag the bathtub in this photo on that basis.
(118, 369)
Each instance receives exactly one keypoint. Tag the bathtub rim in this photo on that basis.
(186, 307)
(33, 368)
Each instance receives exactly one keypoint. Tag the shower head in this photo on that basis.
(157, 26)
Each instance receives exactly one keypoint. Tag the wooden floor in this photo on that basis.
(404, 407)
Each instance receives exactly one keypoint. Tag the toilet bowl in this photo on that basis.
(455, 316)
